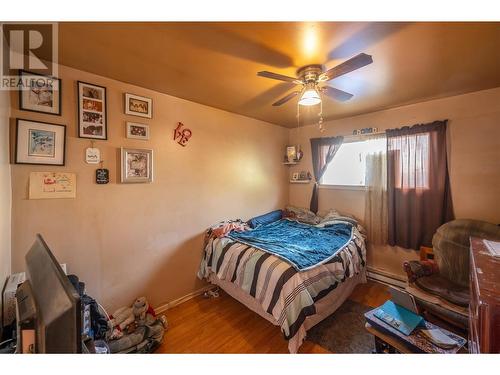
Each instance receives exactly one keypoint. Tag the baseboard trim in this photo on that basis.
(162, 308)
(372, 273)
(386, 277)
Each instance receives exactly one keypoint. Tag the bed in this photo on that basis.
(293, 296)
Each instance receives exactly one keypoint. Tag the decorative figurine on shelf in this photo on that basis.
(302, 176)
(300, 153)
(182, 135)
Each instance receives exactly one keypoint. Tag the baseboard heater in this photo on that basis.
(386, 278)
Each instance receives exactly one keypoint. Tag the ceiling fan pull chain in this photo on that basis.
(298, 119)
(320, 121)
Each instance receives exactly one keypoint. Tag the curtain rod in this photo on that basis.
(355, 136)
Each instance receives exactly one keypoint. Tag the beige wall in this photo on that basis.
(5, 189)
(474, 155)
(126, 240)
(146, 239)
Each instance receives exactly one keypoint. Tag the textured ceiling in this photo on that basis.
(216, 63)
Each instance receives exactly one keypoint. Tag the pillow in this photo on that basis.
(302, 215)
(334, 215)
(330, 214)
(268, 218)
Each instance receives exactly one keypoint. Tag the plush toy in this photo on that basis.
(136, 329)
(122, 317)
(144, 314)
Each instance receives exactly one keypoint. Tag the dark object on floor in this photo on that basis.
(344, 331)
(8, 346)
(448, 278)
(144, 339)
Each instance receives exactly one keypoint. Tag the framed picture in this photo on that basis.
(137, 165)
(40, 143)
(138, 106)
(137, 131)
(40, 93)
(92, 111)
(291, 153)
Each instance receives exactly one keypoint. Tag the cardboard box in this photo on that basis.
(9, 297)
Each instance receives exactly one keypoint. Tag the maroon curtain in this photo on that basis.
(322, 150)
(418, 186)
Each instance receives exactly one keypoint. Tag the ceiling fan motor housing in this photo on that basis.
(310, 73)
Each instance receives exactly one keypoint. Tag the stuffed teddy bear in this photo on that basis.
(118, 321)
(122, 317)
(144, 314)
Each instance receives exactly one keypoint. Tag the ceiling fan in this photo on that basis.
(311, 76)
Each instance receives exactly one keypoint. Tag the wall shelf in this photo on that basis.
(300, 181)
(290, 162)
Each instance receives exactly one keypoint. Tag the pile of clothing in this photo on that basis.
(134, 329)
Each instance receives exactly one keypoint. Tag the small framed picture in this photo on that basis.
(137, 131)
(92, 111)
(40, 143)
(40, 93)
(295, 176)
(137, 165)
(138, 105)
(291, 153)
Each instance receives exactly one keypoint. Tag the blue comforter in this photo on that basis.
(302, 245)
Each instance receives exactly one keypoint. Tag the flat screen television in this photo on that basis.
(56, 302)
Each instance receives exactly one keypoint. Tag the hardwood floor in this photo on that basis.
(223, 325)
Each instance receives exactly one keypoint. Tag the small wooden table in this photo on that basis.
(385, 343)
(389, 340)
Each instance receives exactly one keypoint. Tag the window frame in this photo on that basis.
(349, 139)
(343, 187)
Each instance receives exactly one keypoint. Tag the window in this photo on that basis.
(349, 163)
(411, 161)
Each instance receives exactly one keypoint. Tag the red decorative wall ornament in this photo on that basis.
(182, 135)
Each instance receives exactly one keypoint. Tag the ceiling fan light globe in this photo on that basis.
(309, 102)
(310, 97)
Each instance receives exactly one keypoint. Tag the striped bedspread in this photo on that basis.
(282, 291)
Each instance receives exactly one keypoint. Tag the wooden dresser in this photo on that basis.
(484, 308)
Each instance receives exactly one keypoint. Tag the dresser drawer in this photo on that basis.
(484, 305)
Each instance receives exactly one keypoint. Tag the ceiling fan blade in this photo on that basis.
(286, 98)
(279, 77)
(336, 94)
(350, 65)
